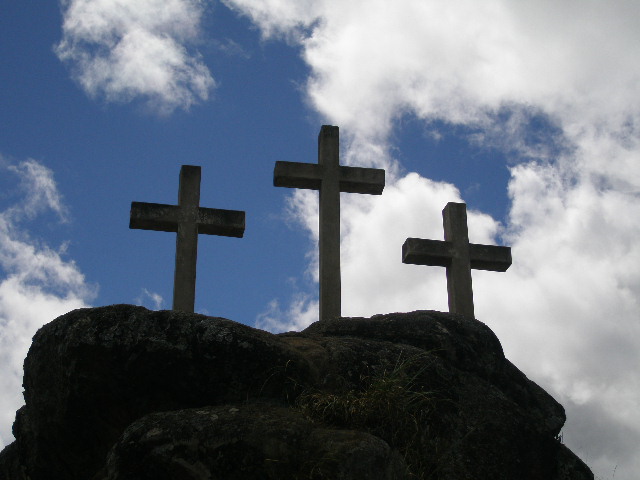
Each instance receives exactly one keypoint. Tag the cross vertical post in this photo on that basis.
(459, 284)
(330, 178)
(184, 278)
(329, 239)
(458, 256)
(187, 220)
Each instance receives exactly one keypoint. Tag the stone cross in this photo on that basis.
(330, 178)
(458, 256)
(187, 219)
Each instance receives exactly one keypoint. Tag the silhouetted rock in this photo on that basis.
(246, 442)
(123, 393)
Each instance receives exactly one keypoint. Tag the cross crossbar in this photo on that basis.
(437, 253)
(458, 256)
(188, 220)
(309, 176)
(166, 218)
(330, 178)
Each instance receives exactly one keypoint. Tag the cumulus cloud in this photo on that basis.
(121, 51)
(567, 310)
(36, 284)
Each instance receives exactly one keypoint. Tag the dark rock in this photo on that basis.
(249, 442)
(124, 393)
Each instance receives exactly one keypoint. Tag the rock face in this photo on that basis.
(123, 393)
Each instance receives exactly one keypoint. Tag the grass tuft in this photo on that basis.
(390, 404)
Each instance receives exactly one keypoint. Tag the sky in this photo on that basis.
(529, 112)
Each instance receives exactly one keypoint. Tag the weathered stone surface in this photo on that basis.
(246, 442)
(194, 397)
(464, 347)
(92, 372)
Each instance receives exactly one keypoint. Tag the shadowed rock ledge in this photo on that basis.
(124, 393)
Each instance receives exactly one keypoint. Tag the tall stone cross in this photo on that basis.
(187, 219)
(330, 178)
(458, 256)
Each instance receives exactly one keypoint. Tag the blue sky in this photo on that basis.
(526, 111)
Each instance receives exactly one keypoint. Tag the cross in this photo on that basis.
(187, 219)
(458, 256)
(330, 178)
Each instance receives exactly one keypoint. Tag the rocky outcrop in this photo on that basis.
(121, 392)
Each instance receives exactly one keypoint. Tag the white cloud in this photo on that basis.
(460, 61)
(279, 17)
(123, 50)
(301, 312)
(149, 299)
(567, 310)
(36, 181)
(37, 283)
